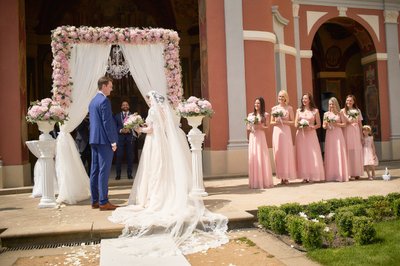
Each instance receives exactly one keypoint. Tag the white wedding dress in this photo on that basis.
(159, 203)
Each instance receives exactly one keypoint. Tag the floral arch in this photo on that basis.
(79, 59)
(64, 37)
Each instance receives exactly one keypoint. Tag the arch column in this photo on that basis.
(393, 67)
(235, 73)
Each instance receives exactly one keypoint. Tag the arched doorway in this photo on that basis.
(341, 66)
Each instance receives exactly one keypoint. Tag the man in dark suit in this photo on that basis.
(126, 141)
(103, 140)
(82, 143)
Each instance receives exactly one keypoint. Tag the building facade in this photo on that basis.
(232, 52)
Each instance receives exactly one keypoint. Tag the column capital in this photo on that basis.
(391, 16)
(295, 9)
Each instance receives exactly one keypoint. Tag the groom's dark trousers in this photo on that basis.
(101, 135)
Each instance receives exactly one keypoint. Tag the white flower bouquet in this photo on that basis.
(330, 118)
(353, 113)
(195, 107)
(251, 120)
(133, 121)
(303, 123)
(278, 112)
(46, 110)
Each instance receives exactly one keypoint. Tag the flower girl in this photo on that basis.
(370, 158)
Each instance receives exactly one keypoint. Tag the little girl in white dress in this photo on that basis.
(370, 158)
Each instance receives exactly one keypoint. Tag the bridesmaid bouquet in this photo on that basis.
(251, 120)
(353, 113)
(133, 121)
(330, 118)
(303, 123)
(278, 112)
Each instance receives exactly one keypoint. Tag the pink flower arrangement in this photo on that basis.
(133, 121)
(63, 37)
(195, 107)
(46, 110)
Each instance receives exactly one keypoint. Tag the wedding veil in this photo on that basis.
(159, 203)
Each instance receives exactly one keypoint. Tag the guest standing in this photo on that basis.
(282, 118)
(82, 142)
(310, 166)
(370, 158)
(335, 145)
(260, 173)
(103, 140)
(353, 137)
(126, 141)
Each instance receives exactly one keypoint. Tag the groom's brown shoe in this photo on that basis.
(95, 205)
(108, 207)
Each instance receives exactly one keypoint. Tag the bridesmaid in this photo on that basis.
(260, 172)
(335, 146)
(353, 137)
(310, 166)
(282, 118)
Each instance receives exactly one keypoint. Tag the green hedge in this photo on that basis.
(363, 230)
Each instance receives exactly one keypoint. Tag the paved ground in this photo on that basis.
(23, 222)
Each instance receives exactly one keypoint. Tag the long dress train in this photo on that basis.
(159, 203)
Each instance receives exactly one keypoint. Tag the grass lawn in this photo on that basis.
(384, 251)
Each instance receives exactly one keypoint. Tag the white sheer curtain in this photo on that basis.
(88, 63)
(146, 64)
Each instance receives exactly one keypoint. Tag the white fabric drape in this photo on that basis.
(87, 64)
(146, 64)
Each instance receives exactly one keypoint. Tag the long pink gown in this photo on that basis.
(308, 151)
(352, 136)
(260, 172)
(335, 152)
(282, 144)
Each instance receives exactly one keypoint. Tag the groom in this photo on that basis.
(103, 140)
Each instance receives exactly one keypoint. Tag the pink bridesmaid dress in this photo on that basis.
(260, 172)
(368, 151)
(310, 165)
(282, 145)
(335, 152)
(352, 136)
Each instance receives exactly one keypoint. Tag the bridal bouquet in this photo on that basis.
(195, 107)
(353, 113)
(46, 110)
(133, 121)
(278, 112)
(303, 123)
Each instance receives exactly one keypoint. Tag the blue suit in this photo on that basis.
(101, 135)
(127, 140)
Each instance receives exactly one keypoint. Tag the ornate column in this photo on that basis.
(392, 48)
(46, 149)
(295, 10)
(196, 139)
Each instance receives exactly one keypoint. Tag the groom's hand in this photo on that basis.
(114, 146)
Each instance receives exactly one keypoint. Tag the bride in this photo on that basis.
(159, 204)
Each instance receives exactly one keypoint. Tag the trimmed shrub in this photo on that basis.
(335, 204)
(379, 210)
(372, 199)
(396, 208)
(277, 221)
(344, 221)
(317, 208)
(353, 201)
(263, 215)
(294, 224)
(391, 197)
(291, 208)
(357, 209)
(363, 230)
(312, 234)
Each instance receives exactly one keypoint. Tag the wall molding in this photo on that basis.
(286, 49)
(306, 53)
(254, 35)
(374, 57)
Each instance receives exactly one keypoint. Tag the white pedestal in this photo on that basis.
(47, 173)
(196, 139)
